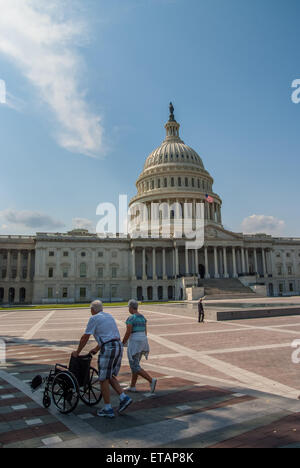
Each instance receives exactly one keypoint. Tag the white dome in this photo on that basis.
(175, 152)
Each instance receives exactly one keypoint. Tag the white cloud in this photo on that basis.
(82, 223)
(29, 220)
(40, 39)
(263, 224)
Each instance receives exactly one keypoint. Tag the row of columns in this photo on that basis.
(212, 210)
(217, 273)
(19, 265)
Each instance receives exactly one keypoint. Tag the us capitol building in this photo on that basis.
(79, 266)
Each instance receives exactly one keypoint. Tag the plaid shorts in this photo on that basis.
(110, 359)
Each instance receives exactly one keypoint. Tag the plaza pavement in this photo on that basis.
(220, 384)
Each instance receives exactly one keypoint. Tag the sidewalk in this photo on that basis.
(181, 414)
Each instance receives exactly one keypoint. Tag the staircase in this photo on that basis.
(226, 289)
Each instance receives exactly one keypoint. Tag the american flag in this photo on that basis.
(209, 199)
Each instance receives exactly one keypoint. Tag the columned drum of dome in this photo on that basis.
(173, 175)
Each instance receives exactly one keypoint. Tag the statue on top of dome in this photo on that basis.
(172, 118)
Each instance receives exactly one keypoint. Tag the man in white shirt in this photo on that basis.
(104, 328)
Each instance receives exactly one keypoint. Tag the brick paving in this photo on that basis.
(199, 402)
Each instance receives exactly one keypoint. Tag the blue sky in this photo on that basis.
(88, 87)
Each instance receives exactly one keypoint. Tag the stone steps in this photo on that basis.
(226, 288)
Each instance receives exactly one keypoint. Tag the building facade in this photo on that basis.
(79, 266)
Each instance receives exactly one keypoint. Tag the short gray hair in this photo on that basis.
(134, 304)
(97, 306)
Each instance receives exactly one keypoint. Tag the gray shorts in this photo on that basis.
(135, 363)
(109, 360)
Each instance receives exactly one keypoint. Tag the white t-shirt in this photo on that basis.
(103, 327)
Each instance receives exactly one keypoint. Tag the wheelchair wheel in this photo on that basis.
(91, 394)
(65, 392)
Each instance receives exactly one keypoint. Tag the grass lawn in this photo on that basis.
(74, 306)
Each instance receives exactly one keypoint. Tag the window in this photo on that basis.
(290, 270)
(280, 288)
(100, 292)
(279, 270)
(158, 183)
(65, 272)
(186, 182)
(100, 254)
(114, 292)
(291, 287)
(51, 254)
(166, 182)
(193, 182)
(179, 181)
(83, 270)
(114, 254)
(50, 273)
(50, 293)
(65, 293)
(83, 254)
(100, 272)
(152, 184)
(114, 272)
(172, 182)
(288, 255)
(66, 254)
(82, 293)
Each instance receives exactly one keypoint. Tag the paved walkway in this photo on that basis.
(227, 384)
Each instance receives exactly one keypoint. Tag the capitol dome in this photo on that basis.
(173, 151)
(174, 172)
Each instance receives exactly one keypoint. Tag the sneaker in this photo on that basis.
(124, 404)
(106, 413)
(153, 385)
(131, 389)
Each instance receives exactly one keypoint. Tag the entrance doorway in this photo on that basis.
(202, 271)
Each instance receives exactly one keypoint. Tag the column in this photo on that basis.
(144, 265)
(216, 263)
(207, 275)
(29, 266)
(264, 263)
(133, 264)
(18, 277)
(225, 263)
(247, 261)
(255, 261)
(164, 264)
(235, 275)
(187, 272)
(176, 262)
(154, 264)
(243, 260)
(8, 265)
(196, 262)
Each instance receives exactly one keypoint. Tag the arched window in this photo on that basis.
(179, 181)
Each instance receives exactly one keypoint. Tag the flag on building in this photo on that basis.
(209, 199)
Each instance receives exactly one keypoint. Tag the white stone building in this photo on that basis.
(79, 266)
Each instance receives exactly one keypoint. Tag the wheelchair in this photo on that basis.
(68, 385)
